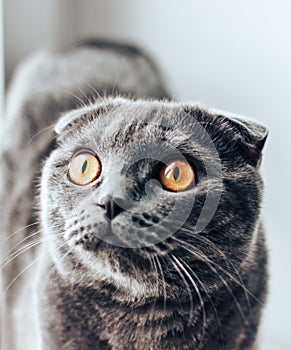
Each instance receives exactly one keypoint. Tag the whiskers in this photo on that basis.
(182, 269)
(226, 280)
(176, 267)
(237, 278)
(54, 268)
(9, 259)
(156, 257)
(205, 259)
(234, 277)
(18, 231)
(48, 128)
(32, 263)
(17, 257)
(82, 102)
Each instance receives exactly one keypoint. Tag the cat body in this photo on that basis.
(125, 263)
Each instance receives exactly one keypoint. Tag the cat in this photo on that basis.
(128, 220)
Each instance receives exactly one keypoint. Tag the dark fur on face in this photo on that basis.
(189, 290)
(168, 270)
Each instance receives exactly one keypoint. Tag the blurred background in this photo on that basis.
(231, 55)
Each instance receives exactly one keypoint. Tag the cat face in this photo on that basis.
(134, 188)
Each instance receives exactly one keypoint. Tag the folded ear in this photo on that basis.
(252, 137)
(69, 118)
(258, 133)
(247, 135)
(86, 114)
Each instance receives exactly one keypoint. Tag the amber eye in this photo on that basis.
(84, 168)
(177, 175)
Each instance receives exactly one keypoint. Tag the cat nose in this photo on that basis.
(112, 206)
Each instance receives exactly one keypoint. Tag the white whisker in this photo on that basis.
(188, 290)
(19, 230)
(180, 263)
(27, 247)
(40, 132)
(54, 268)
(209, 263)
(164, 281)
(221, 253)
(25, 269)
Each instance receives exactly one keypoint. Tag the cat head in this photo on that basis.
(136, 189)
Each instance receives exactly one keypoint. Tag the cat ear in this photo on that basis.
(87, 113)
(69, 118)
(252, 130)
(249, 136)
(252, 137)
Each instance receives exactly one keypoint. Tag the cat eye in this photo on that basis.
(177, 175)
(84, 168)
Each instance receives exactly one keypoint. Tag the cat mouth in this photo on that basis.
(108, 235)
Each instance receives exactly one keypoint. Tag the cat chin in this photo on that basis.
(99, 269)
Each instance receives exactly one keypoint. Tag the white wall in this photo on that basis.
(232, 55)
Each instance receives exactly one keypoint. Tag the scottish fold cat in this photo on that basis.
(128, 220)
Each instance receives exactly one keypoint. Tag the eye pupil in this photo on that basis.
(84, 167)
(176, 173)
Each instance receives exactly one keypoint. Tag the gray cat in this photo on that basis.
(128, 221)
